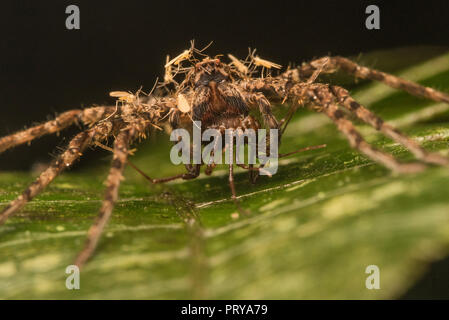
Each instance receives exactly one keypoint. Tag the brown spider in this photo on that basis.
(221, 96)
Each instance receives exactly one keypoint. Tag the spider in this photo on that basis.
(221, 96)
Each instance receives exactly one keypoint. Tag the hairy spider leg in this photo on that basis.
(121, 148)
(64, 120)
(376, 122)
(362, 72)
(325, 101)
(73, 152)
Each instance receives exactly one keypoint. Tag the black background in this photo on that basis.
(45, 68)
(121, 45)
(277, 309)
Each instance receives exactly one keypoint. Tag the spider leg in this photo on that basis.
(193, 172)
(210, 168)
(254, 172)
(59, 123)
(121, 147)
(174, 118)
(348, 66)
(64, 120)
(264, 105)
(65, 160)
(325, 100)
(294, 106)
(286, 119)
(233, 192)
(211, 164)
(319, 68)
(231, 179)
(370, 118)
(283, 155)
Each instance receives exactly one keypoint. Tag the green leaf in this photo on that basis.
(314, 226)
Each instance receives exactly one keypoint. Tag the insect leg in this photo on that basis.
(370, 118)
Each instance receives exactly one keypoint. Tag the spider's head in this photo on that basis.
(210, 70)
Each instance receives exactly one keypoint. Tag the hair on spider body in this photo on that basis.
(216, 100)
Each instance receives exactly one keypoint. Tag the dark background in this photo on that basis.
(122, 45)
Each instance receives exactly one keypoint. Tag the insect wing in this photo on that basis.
(238, 64)
(265, 63)
(118, 94)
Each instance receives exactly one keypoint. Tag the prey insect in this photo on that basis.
(123, 96)
(221, 95)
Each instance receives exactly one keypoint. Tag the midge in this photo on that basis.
(221, 96)
(123, 96)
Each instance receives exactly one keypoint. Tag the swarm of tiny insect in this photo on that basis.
(221, 95)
